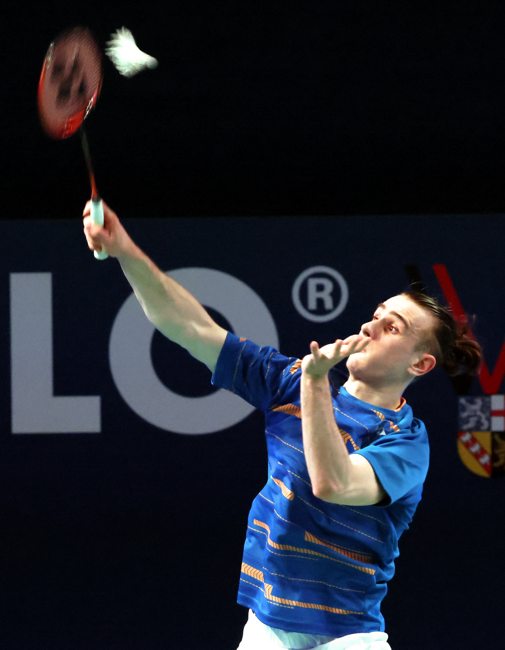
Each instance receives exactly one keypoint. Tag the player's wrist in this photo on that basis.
(315, 378)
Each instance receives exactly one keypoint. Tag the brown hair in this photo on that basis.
(451, 343)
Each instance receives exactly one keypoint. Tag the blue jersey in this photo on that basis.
(308, 565)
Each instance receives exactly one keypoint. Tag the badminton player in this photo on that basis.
(346, 464)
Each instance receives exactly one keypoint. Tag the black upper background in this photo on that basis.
(328, 107)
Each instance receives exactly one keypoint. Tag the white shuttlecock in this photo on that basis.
(125, 54)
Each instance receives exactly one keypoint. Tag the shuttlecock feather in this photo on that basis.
(126, 55)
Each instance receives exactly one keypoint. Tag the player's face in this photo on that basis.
(395, 354)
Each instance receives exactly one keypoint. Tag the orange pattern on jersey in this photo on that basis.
(346, 437)
(251, 571)
(355, 555)
(307, 551)
(248, 570)
(286, 492)
(296, 366)
(289, 409)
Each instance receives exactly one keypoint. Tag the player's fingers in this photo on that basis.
(315, 350)
(87, 209)
(355, 339)
(361, 342)
(91, 229)
(337, 348)
(111, 218)
(356, 343)
(109, 214)
(93, 245)
(352, 338)
(95, 235)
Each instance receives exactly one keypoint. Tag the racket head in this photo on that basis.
(70, 82)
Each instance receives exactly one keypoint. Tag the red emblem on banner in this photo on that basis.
(481, 438)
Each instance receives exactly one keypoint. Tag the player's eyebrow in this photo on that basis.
(406, 323)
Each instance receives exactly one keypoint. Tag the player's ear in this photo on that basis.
(422, 365)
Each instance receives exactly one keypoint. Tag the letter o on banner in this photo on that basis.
(133, 371)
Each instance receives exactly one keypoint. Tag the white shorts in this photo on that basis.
(258, 635)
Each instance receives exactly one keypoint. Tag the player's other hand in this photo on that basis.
(111, 238)
(321, 360)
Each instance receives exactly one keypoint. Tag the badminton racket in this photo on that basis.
(69, 86)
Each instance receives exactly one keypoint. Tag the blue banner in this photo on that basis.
(126, 478)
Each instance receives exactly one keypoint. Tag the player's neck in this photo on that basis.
(389, 397)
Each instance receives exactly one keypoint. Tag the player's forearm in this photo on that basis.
(325, 452)
(172, 309)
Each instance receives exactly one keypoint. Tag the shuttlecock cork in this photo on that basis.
(126, 56)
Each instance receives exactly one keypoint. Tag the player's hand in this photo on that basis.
(111, 237)
(321, 360)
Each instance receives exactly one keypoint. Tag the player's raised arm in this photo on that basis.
(336, 476)
(172, 309)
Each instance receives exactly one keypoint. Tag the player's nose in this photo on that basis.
(369, 329)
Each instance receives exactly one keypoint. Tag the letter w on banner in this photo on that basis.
(490, 381)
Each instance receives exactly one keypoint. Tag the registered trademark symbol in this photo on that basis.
(320, 294)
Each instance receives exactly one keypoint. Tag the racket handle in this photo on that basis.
(97, 218)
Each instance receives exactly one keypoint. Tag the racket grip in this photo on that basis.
(97, 218)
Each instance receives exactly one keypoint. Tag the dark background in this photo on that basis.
(271, 110)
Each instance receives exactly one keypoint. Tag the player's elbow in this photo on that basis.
(328, 490)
